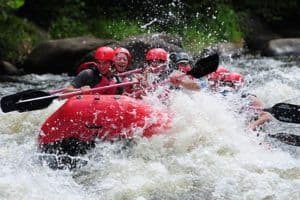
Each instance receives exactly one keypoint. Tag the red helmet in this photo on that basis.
(235, 78)
(219, 74)
(125, 51)
(157, 54)
(221, 70)
(104, 53)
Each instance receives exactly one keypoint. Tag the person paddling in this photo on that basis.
(157, 70)
(178, 77)
(101, 73)
(223, 81)
(156, 66)
(94, 74)
(154, 72)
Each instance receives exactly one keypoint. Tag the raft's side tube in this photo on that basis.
(105, 116)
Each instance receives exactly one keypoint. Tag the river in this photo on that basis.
(208, 154)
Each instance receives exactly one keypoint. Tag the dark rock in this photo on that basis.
(61, 56)
(259, 34)
(139, 45)
(6, 68)
(283, 47)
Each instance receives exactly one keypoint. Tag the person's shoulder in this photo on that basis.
(87, 72)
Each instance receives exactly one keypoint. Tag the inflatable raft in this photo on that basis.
(74, 127)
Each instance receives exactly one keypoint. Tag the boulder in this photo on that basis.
(6, 68)
(283, 47)
(259, 33)
(61, 56)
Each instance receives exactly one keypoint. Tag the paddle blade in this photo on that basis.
(205, 66)
(287, 138)
(285, 112)
(35, 104)
(10, 102)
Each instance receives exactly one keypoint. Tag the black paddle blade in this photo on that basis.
(35, 104)
(10, 102)
(287, 138)
(285, 112)
(205, 66)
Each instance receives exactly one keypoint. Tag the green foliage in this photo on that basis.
(70, 21)
(15, 3)
(194, 40)
(103, 28)
(227, 24)
(8, 6)
(219, 23)
(198, 23)
(17, 38)
(219, 26)
(67, 27)
(11, 4)
(115, 28)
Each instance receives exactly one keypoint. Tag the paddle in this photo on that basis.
(138, 70)
(25, 101)
(287, 138)
(8, 103)
(285, 112)
(205, 66)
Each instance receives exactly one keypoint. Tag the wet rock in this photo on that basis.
(6, 68)
(283, 47)
(61, 56)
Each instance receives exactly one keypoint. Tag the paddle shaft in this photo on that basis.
(139, 70)
(70, 94)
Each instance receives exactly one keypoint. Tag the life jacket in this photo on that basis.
(116, 90)
(112, 81)
(119, 90)
(105, 81)
(86, 65)
(127, 89)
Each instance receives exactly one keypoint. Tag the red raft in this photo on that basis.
(87, 117)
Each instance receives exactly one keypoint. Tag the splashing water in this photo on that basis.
(208, 154)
